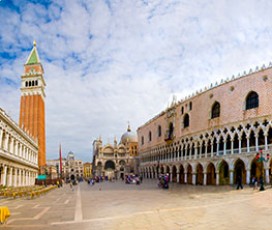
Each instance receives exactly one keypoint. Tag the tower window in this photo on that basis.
(26, 84)
(36, 82)
(252, 100)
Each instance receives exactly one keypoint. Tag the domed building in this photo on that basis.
(117, 160)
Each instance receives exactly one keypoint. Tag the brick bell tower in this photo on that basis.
(32, 105)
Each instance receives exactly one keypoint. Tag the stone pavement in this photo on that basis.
(118, 206)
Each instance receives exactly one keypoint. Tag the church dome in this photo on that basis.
(129, 136)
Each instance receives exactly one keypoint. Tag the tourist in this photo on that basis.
(239, 182)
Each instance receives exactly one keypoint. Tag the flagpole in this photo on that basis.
(60, 161)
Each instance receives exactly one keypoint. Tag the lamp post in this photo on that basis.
(260, 159)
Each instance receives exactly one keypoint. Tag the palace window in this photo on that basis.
(182, 110)
(252, 100)
(186, 120)
(150, 136)
(142, 140)
(159, 131)
(190, 106)
(215, 110)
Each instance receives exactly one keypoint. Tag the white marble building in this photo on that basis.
(18, 154)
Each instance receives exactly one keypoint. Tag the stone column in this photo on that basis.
(185, 177)
(171, 176)
(10, 176)
(15, 177)
(196, 152)
(217, 178)
(1, 136)
(240, 145)
(256, 143)
(4, 181)
(205, 178)
(225, 147)
(265, 142)
(212, 149)
(267, 179)
(231, 176)
(178, 176)
(206, 150)
(20, 177)
(248, 176)
(194, 178)
(248, 145)
(231, 146)
(217, 147)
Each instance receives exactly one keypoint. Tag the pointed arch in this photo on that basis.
(239, 170)
(199, 174)
(211, 175)
(223, 173)
(215, 110)
(252, 100)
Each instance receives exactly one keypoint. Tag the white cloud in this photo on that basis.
(107, 62)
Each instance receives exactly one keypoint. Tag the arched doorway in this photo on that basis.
(199, 174)
(189, 174)
(72, 177)
(174, 174)
(181, 174)
(239, 171)
(109, 169)
(224, 173)
(211, 175)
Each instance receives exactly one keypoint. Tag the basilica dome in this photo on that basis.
(129, 137)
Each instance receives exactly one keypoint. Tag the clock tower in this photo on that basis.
(32, 105)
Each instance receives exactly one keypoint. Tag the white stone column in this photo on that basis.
(194, 178)
(225, 147)
(212, 149)
(240, 145)
(248, 148)
(217, 178)
(4, 182)
(265, 142)
(257, 143)
(267, 179)
(171, 177)
(196, 152)
(205, 178)
(1, 136)
(185, 177)
(248, 176)
(231, 146)
(12, 145)
(15, 177)
(231, 177)
(10, 176)
(206, 150)
(178, 175)
(6, 142)
(217, 147)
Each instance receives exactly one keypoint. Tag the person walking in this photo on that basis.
(239, 182)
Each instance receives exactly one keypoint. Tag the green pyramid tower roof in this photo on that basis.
(33, 58)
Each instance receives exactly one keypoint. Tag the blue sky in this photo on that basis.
(110, 62)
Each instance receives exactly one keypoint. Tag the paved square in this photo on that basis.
(116, 205)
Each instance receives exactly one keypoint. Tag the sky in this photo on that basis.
(108, 63)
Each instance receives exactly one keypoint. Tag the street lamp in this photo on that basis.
(260, 159)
